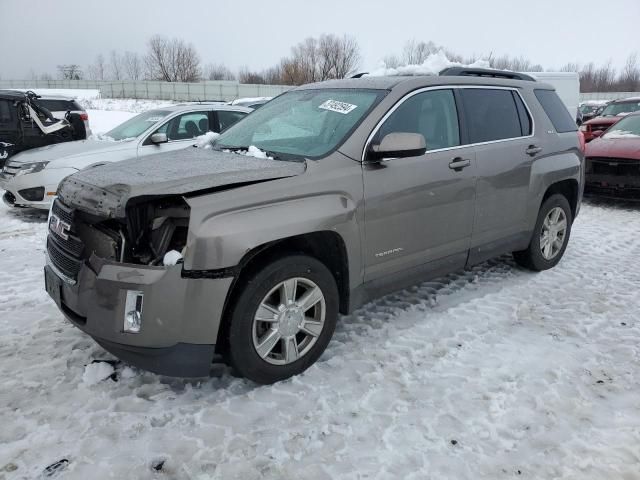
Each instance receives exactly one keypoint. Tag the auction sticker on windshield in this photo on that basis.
(336, 106)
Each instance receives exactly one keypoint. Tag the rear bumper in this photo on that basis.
(180, 316)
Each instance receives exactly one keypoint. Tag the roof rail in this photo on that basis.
(484, 72)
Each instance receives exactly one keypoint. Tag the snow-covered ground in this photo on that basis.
(494, 373)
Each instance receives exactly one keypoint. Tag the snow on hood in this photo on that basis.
(69, 150)
(433, 65)
(106, 190)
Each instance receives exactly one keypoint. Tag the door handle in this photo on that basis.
(533, 150)
(459, 163)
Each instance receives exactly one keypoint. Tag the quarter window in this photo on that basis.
(491, 114)
(432, 113)
(556, 111)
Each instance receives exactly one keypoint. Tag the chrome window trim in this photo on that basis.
(452, 87)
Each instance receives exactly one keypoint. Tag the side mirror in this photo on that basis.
(158, 138)
(398, 145)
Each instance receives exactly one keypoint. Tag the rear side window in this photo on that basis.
(59, 105)
(226, 118)
(5, 111)
(556, 111)
(491, 114)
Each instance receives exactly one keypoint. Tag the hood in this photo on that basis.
(106, 190)
(614, 148)
(60, 152)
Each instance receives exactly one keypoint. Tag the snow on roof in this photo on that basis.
(433, 65)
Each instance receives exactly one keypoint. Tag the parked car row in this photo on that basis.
(607, 115)
(32, 178)
(324, 198)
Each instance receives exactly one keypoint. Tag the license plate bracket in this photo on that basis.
(53, 285)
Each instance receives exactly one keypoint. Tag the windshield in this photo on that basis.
(619, 108)
(137, 125)
(303, 123)
(627, 127)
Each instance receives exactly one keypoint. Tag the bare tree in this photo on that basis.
(116, 68)
(415, 53)
(218, 71)
(172, 60)
(97, 70)
(630, 77)
(132, 65)
(247, 76)
(70, 71)
(326, 57)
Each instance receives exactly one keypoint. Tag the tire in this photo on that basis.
(287, 346)
(539, 256)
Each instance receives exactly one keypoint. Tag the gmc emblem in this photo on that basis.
(59, 227)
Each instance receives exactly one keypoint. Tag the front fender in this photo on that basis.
(222, 240)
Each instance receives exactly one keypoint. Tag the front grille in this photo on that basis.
(63, 212)
(65, 253)
(66, 263)
(620, 167)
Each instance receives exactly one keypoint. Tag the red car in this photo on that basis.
(613, 112)
(613, 160)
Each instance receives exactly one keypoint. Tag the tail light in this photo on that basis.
(582, 141)
(84, 116)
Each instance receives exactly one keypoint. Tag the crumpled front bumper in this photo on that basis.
(180, 316)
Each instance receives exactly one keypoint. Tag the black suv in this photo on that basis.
(26, 123)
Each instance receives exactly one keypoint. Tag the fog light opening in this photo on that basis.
(133, 311)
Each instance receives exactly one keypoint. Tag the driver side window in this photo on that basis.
(185, 126)
(432, 114)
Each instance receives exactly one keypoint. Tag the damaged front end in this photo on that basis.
(149, 230)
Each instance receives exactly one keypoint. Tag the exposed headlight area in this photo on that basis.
(31, 168)
(154, 229)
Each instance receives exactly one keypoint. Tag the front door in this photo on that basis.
(419, 210)
(181, 132)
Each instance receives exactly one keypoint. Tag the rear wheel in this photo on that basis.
(283, 319)
(550, 235)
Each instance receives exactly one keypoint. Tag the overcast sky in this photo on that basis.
(40, 34)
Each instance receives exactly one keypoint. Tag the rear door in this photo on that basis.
(500, 128)
(226, 118)
(419, 210)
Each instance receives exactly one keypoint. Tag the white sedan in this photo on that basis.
(31, 178)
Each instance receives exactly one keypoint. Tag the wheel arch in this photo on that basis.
(326, 246)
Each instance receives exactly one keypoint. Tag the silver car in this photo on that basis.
(31, 178)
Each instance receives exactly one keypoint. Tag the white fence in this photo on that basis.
(607, 95)
(200, 91)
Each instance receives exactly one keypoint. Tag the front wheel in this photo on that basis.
(550, 235)
(283, 319)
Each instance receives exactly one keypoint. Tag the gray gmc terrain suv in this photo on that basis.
(328, 196)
